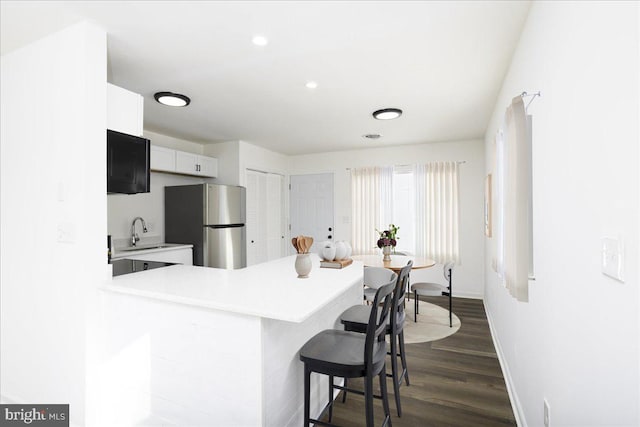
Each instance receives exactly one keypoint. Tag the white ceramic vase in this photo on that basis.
(386, 251)
(303, 265)
(341, 250)
(349, 250)
(329, 251)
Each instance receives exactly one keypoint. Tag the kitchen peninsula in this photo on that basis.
(205, 346)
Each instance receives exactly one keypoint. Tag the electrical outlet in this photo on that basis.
(613, 258)
(546, 413)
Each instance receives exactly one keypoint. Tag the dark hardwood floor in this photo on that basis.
(455, 381)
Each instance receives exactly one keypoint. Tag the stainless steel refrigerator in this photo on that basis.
(211, 217)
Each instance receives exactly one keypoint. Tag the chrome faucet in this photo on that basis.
(134, 235)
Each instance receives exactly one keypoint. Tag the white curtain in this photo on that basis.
(437, 211)
(514, 249)
(371, 206)
(386, 198)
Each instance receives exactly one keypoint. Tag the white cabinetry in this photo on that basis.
(194, 164)
(174, 161)
(125, 110)
(265, 225)
(163, 159)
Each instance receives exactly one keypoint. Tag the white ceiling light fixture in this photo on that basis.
(172, 99)
(311, 84)
(259, 40)
(387, 114)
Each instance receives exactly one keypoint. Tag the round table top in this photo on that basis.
(396, 263)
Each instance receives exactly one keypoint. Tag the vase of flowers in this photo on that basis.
(387, 241)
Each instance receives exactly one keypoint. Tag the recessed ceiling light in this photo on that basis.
(387, 113)
(372, 135)
(312, 85)
(260, 40)
(172, 99)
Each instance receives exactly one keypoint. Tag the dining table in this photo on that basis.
(396, 263)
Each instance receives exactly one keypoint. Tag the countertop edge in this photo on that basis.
(125, 254)
(196, 303)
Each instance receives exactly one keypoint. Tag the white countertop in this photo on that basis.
(271, 289)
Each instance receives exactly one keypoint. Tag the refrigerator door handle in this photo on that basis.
(224, 225)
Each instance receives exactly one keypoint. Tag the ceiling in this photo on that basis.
(442, 63)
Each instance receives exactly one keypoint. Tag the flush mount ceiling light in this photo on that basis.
(311, 84)
(259, 40)
(172, 99)
(387, 114)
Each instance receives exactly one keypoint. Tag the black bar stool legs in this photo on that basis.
(347, 354)
(307, 394)
(356, 318)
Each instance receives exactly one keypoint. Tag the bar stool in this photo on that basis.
(347, 354)
(355, 319)
(374, 277)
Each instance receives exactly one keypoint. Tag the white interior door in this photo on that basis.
(265, 223)
(311, 202)
(274, 217)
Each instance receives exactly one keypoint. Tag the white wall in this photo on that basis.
(53, 170)
(228, 155)
(469, 280)
(575, 342)
(261, 159)
(123, 208)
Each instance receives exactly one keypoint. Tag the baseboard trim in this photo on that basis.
(467, 295)
(504, 366)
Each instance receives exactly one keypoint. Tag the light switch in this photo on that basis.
(612, 258)
(66, 232)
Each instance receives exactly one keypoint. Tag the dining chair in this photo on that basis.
(355, 319)
(435, 289)
(405, 253)
(374, 277)
(347, 354)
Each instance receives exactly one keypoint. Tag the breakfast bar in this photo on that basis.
(207, 346)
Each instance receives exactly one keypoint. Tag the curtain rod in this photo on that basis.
(532, 95)
(460, 162)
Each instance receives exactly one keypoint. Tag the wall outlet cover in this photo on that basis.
(612, 258)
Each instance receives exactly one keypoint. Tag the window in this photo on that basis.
(420, 199)
(404, 208)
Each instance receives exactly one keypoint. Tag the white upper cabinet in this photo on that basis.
(163, 159)
(174, 161)
(125, 110)
(208, 166)
(194, 164)
(186, 163)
